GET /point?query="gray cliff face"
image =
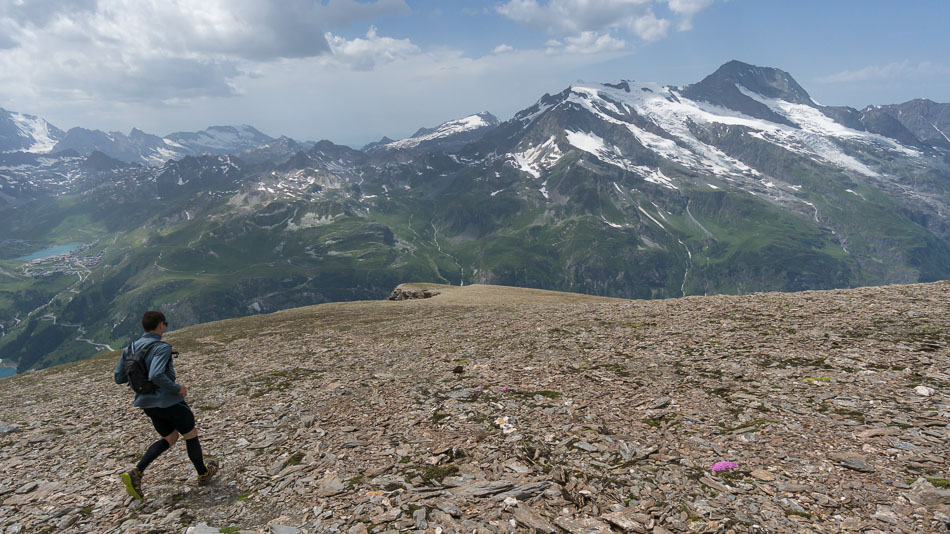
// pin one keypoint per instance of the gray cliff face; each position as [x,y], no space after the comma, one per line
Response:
[927,120]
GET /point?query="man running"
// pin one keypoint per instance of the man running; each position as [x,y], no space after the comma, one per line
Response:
[166,406]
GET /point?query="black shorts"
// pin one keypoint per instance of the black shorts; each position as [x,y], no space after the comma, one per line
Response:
[167,420]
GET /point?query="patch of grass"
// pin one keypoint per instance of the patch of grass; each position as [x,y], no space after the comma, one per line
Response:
[438,473]
[439,416]
[817,379]
[229,530]
[355,481]
[616,369]
[790,513]
[655,422]
[281,380]
[939,482]
[295,458]
[244,497]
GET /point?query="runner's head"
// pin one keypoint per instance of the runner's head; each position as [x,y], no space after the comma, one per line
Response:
[152,320]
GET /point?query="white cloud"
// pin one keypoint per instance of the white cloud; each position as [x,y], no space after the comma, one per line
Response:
[650,28]
[573,18]
[183,64]
[365,54]
[129,50]
[888,72]
[593,43]
[686,9]
[396,98]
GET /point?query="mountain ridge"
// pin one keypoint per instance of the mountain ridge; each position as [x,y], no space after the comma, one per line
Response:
[626,189]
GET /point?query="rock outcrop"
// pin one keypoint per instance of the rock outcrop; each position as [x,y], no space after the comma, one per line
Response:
[406,293]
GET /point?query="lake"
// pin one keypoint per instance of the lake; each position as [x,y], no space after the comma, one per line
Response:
[48,252]
[7,371]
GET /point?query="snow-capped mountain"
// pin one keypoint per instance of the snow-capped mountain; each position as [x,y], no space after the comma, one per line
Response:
[446,137]
[21,132]
[674,124]
[148,149]
[219,139]
[740,182]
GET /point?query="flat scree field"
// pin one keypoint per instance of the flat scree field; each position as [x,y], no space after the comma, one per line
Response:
[495,409]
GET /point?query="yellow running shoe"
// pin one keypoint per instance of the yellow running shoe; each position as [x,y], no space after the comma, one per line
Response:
[133,482]
[211,467]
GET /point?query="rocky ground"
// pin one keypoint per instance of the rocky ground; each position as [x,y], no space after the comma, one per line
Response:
[491,409]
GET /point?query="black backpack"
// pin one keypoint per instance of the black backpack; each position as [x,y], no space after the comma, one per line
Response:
[136,369]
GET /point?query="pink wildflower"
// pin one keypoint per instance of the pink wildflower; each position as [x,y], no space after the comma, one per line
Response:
[723,466]
[479,387]
[504,388]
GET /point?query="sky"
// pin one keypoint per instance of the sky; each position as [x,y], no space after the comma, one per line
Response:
[353,71]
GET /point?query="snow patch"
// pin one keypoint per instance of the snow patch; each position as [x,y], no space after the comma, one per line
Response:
[311,220]
[36,129]
[655,176]
[534,160]
[446,129]
[651,217]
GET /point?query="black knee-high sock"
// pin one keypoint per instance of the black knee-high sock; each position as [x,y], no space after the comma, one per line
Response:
[153,451]
[194,452]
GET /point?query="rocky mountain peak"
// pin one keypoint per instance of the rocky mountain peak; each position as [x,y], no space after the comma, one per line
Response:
[926,119]
[727,87]
[766,81]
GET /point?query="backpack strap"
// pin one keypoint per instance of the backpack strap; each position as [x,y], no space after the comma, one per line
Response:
[147,350]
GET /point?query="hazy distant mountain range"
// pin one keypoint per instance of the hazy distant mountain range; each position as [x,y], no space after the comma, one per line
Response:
[738,183]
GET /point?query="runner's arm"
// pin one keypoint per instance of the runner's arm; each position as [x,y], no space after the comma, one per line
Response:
[156,371]
[120,377]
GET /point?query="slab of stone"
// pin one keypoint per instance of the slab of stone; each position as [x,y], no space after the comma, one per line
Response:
[875,432]
[330,486]
[852,461]
[583,526]
[629,519]
[530,519]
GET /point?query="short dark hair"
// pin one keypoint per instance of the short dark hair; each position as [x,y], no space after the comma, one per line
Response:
[152,319]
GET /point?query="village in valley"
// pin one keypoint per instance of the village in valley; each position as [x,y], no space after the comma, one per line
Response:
[77,261]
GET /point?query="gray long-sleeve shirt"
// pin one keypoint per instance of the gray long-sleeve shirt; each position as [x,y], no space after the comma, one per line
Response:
[160,371]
